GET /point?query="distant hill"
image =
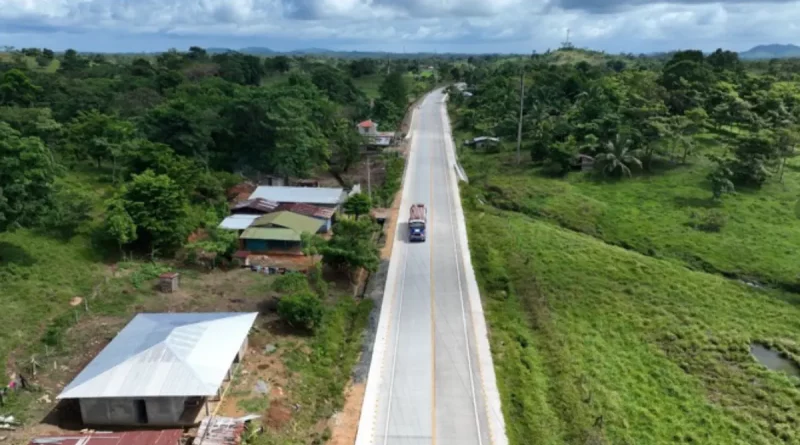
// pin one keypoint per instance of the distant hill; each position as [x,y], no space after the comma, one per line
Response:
[774,51]
[262,51]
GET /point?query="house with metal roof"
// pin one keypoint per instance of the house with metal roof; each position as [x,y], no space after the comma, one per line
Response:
[161,369]
[257,206]
[238,222]
[278,231]
[323,214]
[319,196]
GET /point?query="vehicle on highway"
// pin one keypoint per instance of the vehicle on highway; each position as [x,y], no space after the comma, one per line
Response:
[417,219]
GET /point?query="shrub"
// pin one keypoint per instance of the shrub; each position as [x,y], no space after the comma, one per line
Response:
[712,221]
[291,283]
[302,309]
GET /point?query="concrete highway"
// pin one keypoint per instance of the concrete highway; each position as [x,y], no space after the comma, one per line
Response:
[431,380]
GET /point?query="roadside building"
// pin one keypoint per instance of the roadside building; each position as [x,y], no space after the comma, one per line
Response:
[367,128]
[148,437]
[327,197]
[239,223]
[162,369]
[278,231]
[482,141]
[257,206]
[374,138]
[326,215]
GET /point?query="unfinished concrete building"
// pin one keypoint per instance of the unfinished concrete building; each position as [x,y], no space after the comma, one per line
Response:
[162,369]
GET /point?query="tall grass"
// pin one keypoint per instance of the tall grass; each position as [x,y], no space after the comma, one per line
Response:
[597,344]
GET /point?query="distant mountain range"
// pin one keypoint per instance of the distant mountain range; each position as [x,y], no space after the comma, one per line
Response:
[774,51]
[262,51]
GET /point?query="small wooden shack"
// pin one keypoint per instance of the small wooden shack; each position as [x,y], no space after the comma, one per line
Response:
[168,282]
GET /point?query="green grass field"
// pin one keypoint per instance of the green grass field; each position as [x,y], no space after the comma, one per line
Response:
[606,345]
[653,214]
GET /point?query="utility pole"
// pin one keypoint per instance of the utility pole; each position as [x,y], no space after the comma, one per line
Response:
[369,179]
[521,105]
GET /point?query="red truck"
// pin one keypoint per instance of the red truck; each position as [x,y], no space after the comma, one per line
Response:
[417,219]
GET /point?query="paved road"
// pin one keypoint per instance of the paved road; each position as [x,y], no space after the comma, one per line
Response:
[431,380]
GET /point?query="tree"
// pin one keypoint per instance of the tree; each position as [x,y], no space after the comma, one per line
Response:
[303,309]
[720,178]
[27,172]
[17,89]
[787,140]
[352,246]
[278,64]
[561,156]
[184,126]
[36,122]
[98,136]
[754,153]
[159,209]
[394,90]
[72,62]
[71,207]
[617,157]
[119,225]
[358,204]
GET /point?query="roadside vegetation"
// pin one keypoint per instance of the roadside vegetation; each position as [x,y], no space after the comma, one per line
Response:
[644,242]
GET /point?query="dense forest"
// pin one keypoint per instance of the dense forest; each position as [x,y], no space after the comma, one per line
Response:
[175,131]
[640,252]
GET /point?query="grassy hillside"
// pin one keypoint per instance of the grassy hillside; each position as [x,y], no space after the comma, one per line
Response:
[606,345]
[662,215]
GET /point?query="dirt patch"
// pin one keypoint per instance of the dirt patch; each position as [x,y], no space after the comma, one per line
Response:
[278,415]
[344,425]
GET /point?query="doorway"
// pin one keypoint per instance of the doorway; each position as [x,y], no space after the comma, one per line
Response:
[141,411]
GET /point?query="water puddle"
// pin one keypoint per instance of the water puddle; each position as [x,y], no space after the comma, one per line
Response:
[774,361]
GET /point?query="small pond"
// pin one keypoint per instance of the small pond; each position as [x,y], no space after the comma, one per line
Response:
[773,360]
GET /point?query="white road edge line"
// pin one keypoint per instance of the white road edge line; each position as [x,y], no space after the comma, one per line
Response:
[497,426]
[366,424]
[394,355]
[448,192]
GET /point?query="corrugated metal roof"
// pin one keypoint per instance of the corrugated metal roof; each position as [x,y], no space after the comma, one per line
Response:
[298,223]
[165,355]
[306,195]
[163,437]
[220,431]
[307,210]
[257,204]
[238,222]
[270,234]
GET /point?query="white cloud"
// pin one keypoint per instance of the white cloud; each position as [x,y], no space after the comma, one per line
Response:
[495,25]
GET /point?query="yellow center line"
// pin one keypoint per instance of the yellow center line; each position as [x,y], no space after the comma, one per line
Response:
[428,236]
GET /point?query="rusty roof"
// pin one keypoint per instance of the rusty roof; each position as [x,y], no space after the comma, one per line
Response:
[162,437]
[307,210]
[258,204]
[220,431]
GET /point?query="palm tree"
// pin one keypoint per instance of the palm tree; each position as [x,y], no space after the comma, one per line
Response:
[618,156]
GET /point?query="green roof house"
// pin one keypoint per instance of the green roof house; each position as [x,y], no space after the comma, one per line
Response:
[279,231]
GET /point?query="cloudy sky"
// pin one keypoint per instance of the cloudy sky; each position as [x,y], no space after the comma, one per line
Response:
[396,25]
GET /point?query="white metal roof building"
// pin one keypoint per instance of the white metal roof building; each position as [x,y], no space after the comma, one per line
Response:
[238,222]
[165,355]
[323,196]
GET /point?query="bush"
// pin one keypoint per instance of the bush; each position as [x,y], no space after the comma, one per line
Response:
[291,283]
[70,210]
[302,309]
[712,221]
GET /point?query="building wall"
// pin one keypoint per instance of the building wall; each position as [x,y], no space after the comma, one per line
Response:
[258,245]
[325,227]
[123,411]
